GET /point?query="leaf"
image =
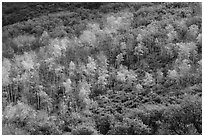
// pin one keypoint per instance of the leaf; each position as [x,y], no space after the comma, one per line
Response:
[121,74]
[193,30]
[24,40]
[91,66]
[173,74]
[148,80]
[84,89]
[184,67]
[67,85]
[29,60]
[72,66]
[88,37]
[6,67]
[119,58]
[186,48]
[139,49]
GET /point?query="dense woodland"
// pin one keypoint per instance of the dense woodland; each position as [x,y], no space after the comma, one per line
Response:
[102,68]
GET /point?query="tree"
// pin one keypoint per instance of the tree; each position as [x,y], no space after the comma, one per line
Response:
[6,67]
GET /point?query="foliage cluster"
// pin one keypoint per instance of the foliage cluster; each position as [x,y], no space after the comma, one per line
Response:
[135,70]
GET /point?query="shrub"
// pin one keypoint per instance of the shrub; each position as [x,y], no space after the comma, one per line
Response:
[24,42]
[6,67]
[103,124]
[178,117]
[19,114]
[129,127]
[84,130]
[10,129]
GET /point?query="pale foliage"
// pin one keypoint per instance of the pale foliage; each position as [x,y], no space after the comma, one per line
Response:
[121,74]
[186,48]
[160,75]
[151,29]
[6,67]
[85,91]
[95,28]
[148,80]
[139,49]
[172,35]
[82,68]
[139,87]
[123,47]
[140,37]
[72,66]
[199,38]
[193,30]
[102,70]
[88,37]
[45,101]
[103,61]
[119,58]
[65,43]
[91,66]
[200,66]
[59,69]
[44,39]
[117,22]
[27,60]
[131,78]
[180,23]
[55,48]
[68,86]
[168,49]
[173,74]
[169,28]
[63,107]
[24,40]
[19,112]
[103,79]
[103,76]
[126,76]
[184,67]
[200,62]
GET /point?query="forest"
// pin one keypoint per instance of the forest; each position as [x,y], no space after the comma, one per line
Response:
[117,68]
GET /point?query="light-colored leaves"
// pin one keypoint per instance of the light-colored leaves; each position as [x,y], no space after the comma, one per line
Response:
[119,58]
[121,74]
[184,67]
[173,74]
[20,112]
[148,80]
[88,37]
[27,60]
[85,91]
[67,85]
[199,38]
[186,48]
[139,49]
[24,41]
[72,66]
[116,22]
[6,66]
[193,30]
[91,66]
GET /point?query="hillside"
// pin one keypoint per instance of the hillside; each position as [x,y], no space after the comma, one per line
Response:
[101,68]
